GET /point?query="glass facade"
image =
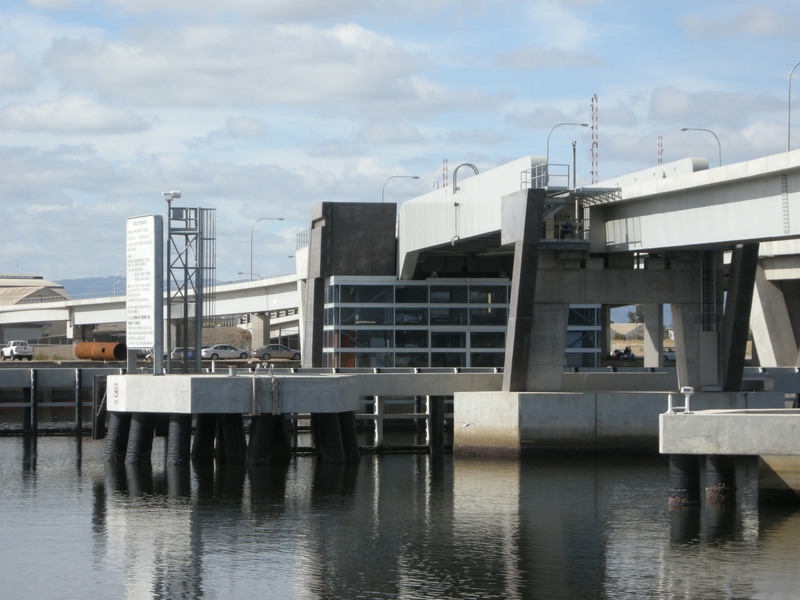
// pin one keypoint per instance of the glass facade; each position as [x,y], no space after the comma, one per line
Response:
[445,323]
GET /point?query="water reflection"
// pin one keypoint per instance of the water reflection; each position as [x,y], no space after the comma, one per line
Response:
[405,526]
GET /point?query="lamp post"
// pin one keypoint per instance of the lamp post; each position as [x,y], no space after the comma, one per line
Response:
[251,239]
[547,158]
[789,112]
[394,177]
[251,275]
[712,133]
[115,280]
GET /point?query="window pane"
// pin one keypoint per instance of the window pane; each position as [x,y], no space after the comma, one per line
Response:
[448,316]
[488,339]
[329,318]
[366,338]
[488,316]
[447,339]
[449,294]
[581,339]
[411,339]
[380,359]
[411,316]
[582,317]
[365,316]
[448,359]
[415,359]
[366,294]
[487,359]
[488,294]
[331,294]
[411,294]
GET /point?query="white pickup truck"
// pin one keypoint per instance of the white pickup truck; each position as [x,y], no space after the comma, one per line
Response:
[17,350]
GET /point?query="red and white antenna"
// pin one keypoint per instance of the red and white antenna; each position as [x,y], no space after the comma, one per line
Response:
[661,149]
[595,142]
[444,172]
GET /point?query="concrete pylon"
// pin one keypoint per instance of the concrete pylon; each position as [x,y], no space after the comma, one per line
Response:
[653,335]
[260,329]
[736,322]
[771,325]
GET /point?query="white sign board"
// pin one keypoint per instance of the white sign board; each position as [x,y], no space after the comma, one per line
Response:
[144,296]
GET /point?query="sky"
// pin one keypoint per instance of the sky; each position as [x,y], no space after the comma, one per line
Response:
[265,108]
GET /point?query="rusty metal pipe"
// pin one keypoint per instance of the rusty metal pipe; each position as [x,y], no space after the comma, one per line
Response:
[101,350]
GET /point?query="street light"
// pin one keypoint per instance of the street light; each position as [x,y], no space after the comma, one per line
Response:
[251,239]
[115,281]
[547,158]
[393,177]
[789,118]
[712,133]
[251,275]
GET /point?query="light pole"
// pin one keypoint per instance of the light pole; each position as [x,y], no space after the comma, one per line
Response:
[547,158]
[251,239]
[393,177]
[789,117]
[115,281]
[712,133]
[251,275]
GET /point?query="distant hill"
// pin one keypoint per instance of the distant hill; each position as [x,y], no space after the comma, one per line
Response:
[77,288]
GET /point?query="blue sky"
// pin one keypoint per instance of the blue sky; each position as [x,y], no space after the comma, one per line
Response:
[265,108]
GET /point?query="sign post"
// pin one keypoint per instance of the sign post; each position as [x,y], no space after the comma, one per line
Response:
[144,306]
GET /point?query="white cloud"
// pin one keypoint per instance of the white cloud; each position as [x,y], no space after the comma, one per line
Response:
[15,76]
[477,136]
[759,21]
[391,132]
[542,118]
[688,109]
[70,114]
[343,68]
[245,127]
[532,58]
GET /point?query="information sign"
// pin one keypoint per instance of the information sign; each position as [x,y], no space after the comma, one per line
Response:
[144,296]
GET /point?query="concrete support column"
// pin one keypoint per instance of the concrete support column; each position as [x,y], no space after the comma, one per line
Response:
[313,316]
[204,432]
[720,477]
[686,322]
[771,325]
[328,437]
[140,438]
[653,335]
[179,439]
[269,440]
[260,329]
[684,480]
[736,322]
[347,425]
[522,214]
[119,425]
[231,441]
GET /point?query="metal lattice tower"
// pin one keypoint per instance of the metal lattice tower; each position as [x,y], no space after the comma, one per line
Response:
[191,271]
[661,149]
[595,142]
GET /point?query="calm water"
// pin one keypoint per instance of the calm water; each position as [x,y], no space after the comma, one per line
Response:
[399,526]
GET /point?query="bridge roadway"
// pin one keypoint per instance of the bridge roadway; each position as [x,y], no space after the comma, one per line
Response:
[274,295]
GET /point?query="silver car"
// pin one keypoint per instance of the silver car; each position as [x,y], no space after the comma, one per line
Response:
[276,351]
[223,351]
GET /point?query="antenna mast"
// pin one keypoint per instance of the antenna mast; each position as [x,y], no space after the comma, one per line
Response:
[595,142]
[660,149]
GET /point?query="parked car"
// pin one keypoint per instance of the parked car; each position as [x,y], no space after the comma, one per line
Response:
[276,351]
[223,351]
[17,350]
[669,354]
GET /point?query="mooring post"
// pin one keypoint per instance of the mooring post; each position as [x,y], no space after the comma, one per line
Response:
[720,477]
[684,480]
[78,403]
[34,402]
[29,412]
[378,421]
